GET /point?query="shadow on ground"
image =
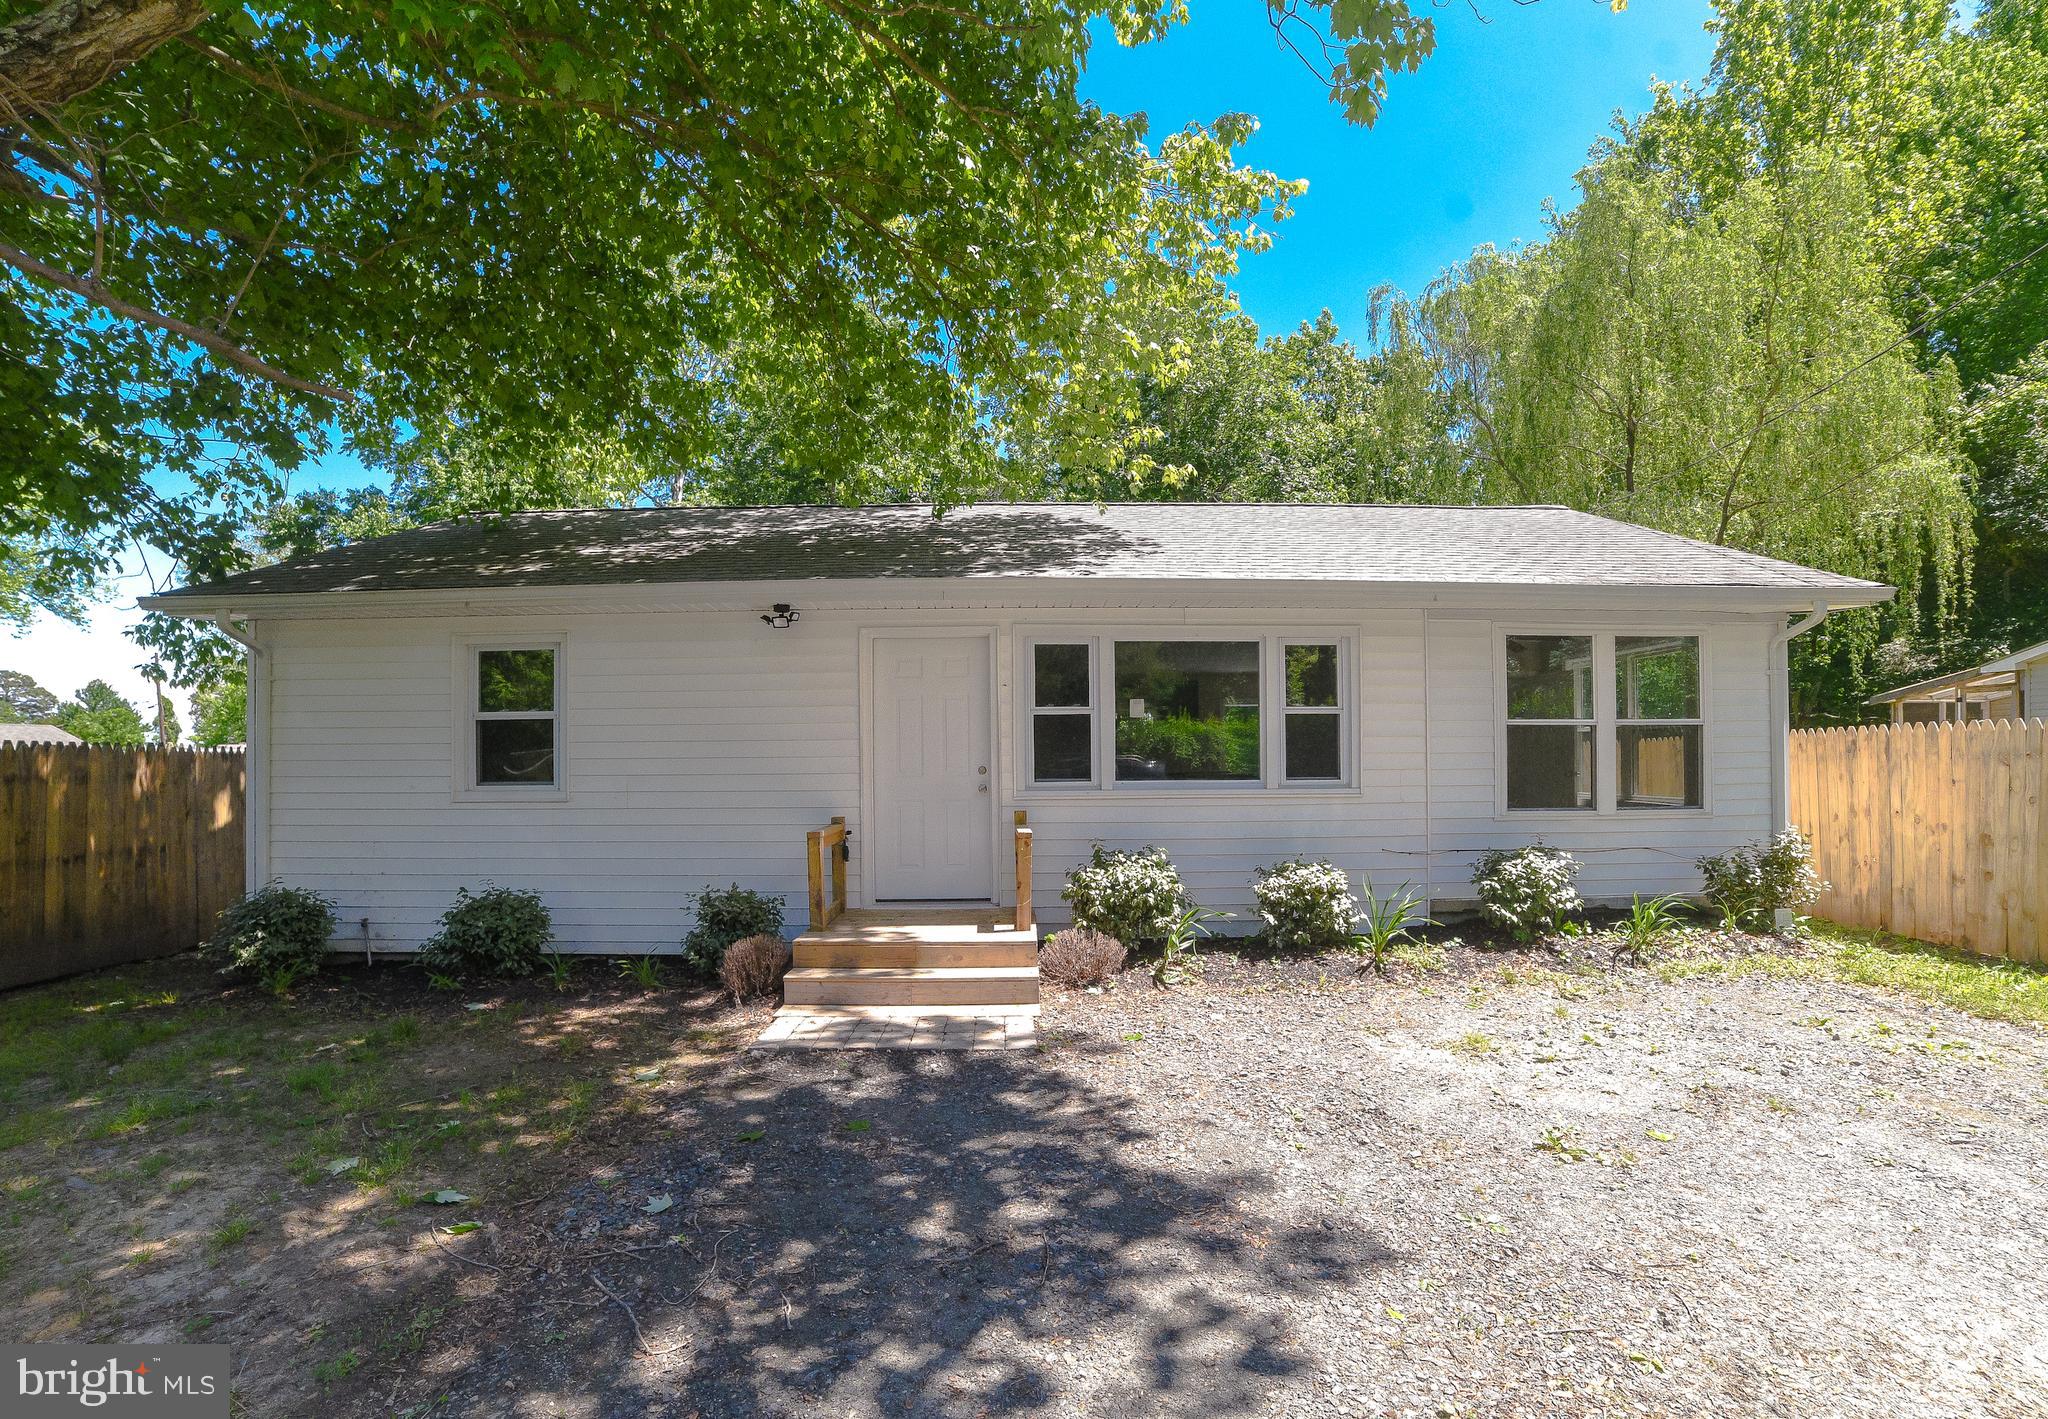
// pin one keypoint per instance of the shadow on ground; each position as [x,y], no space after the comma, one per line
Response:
[893,1233]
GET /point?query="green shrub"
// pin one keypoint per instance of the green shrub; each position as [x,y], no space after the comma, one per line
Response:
[497,932]
[1529,890]
[1306,906]
[1133,896]
[726,915]
[1752,884]
[277,934]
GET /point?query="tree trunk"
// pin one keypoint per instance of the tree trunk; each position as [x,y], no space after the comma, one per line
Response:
[71,47]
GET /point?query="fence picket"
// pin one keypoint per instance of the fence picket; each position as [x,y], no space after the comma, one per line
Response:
[1934,831]
[110,854]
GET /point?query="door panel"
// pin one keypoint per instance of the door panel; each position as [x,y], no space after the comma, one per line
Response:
[933,769]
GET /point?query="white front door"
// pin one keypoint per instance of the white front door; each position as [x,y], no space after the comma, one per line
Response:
[933,782]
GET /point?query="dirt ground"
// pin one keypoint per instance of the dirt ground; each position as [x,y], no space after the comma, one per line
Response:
[1482,1186]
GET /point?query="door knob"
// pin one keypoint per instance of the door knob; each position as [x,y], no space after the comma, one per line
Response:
[981,788]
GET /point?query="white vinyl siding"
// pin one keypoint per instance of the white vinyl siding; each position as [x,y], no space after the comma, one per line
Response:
[704,744]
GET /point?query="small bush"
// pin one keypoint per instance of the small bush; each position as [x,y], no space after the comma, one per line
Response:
[1386,923]
[499,931]
[1752,884]
[277,934]
[1078,957]
[726,915]
[1307,906]
[1529,890]
[753,966]
[1647,929]
[1133,896]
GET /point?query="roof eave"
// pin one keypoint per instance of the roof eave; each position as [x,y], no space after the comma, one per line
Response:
[200,604]
[2024,656]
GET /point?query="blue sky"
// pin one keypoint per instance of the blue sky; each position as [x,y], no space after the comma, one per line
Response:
[1496,121]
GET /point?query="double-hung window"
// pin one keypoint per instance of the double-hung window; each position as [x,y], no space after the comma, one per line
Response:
[1551,722]
[1582,708]
[514,717]
[1063,712]
[1226,710]
[1657,721]
[1313,738]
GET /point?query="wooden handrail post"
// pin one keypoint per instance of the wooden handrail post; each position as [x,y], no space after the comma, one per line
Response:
[827,908]
[838,846]
[1026,917]
[814,843]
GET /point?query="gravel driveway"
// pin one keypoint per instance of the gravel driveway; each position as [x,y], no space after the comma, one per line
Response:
[1288,1191]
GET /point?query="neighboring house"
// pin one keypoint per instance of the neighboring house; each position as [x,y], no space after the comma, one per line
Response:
[618,707]
[36,734]
[2011,687]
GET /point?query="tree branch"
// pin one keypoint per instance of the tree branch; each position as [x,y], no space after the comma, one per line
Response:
[70,47]
[249,74]
[226,349]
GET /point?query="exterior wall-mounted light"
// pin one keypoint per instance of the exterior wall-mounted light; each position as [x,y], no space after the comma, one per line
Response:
[782,616]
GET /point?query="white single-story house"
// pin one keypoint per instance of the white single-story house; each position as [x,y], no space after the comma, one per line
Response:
[2011,687]
[618,707]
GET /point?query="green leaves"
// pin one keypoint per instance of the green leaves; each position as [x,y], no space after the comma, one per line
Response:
[853,245]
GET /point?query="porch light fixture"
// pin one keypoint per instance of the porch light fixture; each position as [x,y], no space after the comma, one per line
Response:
[782,616]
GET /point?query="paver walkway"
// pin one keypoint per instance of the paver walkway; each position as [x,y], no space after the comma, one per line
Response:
[903,1028]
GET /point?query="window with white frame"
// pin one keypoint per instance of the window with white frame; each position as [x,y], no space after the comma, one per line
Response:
[1063,712]
[1313,712]
[1187,711]
[1559,723]
[1657,725]
[1551,722]
[515,716]
[1226,710]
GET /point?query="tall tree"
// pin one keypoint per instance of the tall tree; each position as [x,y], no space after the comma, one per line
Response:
[22,700]
[1948,123]
[228,234]
[220,711]
[1734,373]
[99,715]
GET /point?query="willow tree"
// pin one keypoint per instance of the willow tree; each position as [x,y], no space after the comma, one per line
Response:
[1734,374]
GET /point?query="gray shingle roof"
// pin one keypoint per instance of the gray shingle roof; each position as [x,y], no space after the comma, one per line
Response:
[1504,546]
[36,734]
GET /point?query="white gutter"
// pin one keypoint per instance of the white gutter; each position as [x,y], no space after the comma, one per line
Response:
[223,621]
[1780,675]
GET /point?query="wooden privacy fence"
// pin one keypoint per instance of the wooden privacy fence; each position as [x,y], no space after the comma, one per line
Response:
[1935,831]
[112,854]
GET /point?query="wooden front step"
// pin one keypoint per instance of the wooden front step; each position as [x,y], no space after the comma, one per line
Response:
[928,955]
[911,985]
[878,958]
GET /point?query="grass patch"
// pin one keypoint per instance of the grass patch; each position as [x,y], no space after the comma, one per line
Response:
[1985,986]
[1424,956]
[1473,1044]
[231,1233]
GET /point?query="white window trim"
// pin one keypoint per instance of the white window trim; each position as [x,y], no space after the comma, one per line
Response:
[467,652]
[1102,642]
[1346,695]
[1698,721]
[1605,722]
[1032,710]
